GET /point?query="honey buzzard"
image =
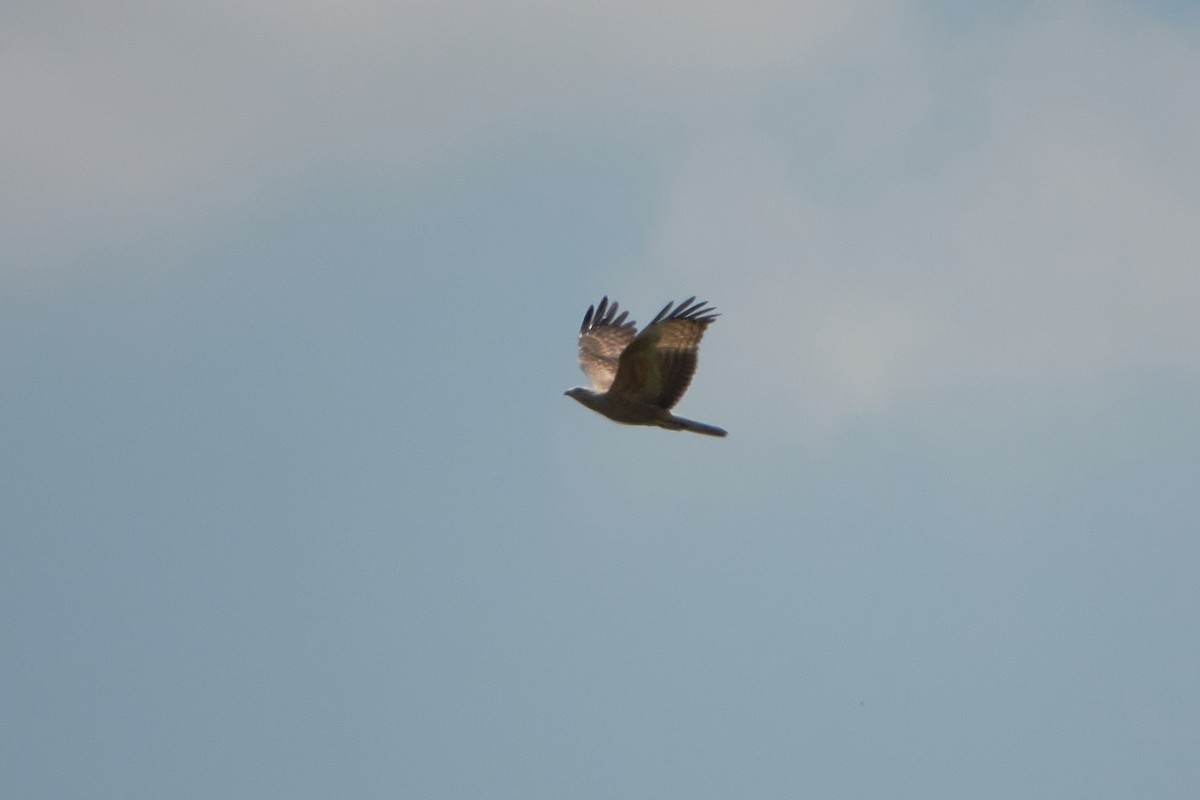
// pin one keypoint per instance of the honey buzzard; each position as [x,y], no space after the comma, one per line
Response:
[637,377]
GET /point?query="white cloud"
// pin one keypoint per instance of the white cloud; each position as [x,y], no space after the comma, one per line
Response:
[1061,245]
[1053,242]
[124,117]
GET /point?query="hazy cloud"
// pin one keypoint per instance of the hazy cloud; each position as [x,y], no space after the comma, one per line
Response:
[895,212]
[1053,247]
[134,115]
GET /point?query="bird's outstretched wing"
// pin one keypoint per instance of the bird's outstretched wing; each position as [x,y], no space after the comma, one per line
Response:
[658,365]
[602,338]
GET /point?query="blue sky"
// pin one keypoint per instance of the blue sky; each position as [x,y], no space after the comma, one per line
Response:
[293,503]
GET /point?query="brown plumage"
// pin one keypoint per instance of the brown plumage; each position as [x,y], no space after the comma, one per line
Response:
[637,378]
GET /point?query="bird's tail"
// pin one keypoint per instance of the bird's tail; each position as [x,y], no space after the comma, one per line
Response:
[698,427]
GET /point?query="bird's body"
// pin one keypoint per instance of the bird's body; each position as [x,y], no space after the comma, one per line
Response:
[637,378]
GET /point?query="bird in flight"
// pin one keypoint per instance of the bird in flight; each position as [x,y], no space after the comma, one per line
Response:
[638,377]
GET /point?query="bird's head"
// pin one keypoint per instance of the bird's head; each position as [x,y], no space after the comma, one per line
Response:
[581,394]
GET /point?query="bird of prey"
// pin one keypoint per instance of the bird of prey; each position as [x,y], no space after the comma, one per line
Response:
[637,377]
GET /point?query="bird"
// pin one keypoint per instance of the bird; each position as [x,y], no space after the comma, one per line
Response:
[638,377]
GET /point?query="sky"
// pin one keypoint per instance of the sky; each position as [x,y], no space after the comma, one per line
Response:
[293,505]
